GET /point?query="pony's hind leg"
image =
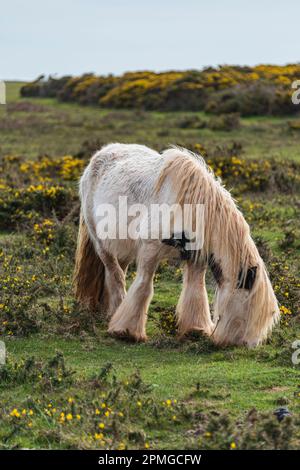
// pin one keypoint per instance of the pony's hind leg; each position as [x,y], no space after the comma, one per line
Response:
[131,316]
[193,308]
[114,288]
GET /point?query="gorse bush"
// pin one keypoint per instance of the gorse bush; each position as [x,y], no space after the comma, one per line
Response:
[29,189]
[252,99]
[261,431]
[264,89]
[50,89]
[23,204]
[46,376]
[225,122]
[191,122]
[253,175]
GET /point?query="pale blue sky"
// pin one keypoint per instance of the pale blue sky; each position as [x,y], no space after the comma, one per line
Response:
[112,36]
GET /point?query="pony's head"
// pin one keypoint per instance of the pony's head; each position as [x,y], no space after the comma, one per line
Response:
[245,307]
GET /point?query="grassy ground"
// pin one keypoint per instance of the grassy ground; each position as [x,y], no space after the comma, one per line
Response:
[194,385]
[52,129]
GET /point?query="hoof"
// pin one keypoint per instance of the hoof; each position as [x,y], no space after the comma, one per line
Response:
[193,333]
[126,335]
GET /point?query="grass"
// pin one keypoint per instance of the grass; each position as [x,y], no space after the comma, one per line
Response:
[214,381]
[61,128]
[206,381]
[236,384]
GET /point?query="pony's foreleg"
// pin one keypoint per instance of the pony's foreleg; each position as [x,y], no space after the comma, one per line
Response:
[131,316]
[114,288]
[193,308]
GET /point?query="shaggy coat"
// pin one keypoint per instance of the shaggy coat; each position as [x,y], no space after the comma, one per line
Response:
[245,307]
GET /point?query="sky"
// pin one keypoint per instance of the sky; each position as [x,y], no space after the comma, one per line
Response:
[71,37]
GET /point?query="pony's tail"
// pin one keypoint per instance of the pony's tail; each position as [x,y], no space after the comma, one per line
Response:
[89,270]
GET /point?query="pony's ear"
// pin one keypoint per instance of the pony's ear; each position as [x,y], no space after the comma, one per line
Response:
[247,281]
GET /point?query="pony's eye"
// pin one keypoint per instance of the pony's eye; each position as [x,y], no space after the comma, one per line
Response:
[246,282]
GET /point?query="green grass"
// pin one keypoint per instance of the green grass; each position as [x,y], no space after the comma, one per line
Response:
[235,384]
[13,91]
[231,381]
[61,128]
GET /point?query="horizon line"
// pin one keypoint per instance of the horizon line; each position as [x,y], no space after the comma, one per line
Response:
[199,69]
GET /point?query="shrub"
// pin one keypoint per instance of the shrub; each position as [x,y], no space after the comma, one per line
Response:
[44,88]
[225,122]
[246,175]
[19,205]
[191,122]
[48,375]
[257,431]
[254,99]
[294,125]
[286,287]
[264,89]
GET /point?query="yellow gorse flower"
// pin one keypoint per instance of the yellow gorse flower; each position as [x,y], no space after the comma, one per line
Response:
[15,413]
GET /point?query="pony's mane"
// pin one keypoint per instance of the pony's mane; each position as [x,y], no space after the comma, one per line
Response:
[226,237]
[195,183]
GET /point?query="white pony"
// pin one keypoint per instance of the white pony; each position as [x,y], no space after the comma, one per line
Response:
[245,307]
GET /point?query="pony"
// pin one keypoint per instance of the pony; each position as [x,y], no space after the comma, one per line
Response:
[245,307]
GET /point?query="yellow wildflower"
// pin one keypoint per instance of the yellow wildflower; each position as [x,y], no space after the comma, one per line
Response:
[15,413]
